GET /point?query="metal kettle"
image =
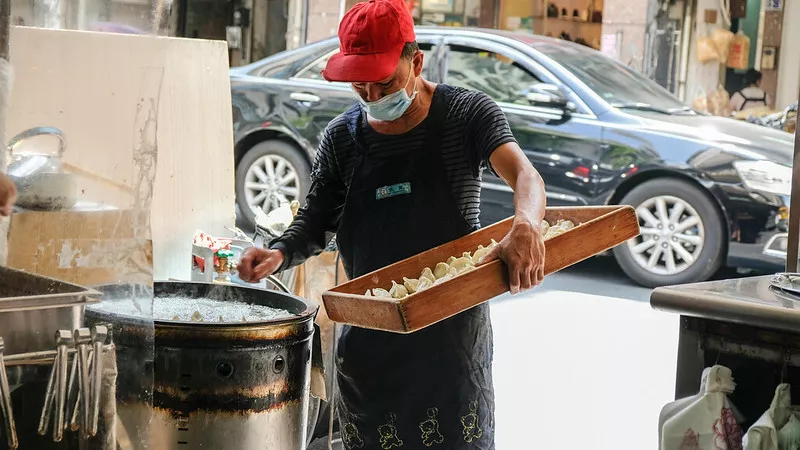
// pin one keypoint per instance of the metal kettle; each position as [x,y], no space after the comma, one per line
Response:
[39,177]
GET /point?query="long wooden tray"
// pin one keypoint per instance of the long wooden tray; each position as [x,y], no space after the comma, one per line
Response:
[598,228]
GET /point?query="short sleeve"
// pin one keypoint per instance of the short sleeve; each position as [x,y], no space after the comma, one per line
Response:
[486,129]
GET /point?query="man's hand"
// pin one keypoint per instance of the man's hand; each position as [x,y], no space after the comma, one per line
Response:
[258,263]
[8,195]
[523,252]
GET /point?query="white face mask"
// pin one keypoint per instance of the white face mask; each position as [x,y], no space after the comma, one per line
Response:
[392,106]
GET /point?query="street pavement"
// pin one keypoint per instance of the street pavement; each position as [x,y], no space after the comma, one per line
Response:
[581,362]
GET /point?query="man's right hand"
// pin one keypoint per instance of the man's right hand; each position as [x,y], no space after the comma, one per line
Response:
[258,263]
[8,195]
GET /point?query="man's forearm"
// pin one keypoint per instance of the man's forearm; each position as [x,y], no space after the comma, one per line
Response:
[529,196]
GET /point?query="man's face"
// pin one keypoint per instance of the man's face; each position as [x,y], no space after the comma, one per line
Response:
[404,77]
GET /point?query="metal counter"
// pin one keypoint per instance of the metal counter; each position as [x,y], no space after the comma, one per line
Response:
[750,301]
[743,324]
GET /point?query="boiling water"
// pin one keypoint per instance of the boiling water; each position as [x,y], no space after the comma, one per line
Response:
[188,309]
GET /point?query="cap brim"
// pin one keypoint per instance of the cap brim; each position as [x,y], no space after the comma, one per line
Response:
[370,68]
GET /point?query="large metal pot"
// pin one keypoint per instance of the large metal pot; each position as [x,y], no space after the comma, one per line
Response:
[215,385]
[33,308]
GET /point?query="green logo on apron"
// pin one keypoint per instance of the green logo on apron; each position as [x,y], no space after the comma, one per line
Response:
[393,190]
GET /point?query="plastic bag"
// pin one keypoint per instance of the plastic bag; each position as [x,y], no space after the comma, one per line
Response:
[708,421]
[719,102]
[722,41]
[706,49]
[763,435]
[700,103]
[739,55]
[670,409]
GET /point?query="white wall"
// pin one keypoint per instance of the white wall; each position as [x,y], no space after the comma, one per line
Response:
[789,57]
[701,77]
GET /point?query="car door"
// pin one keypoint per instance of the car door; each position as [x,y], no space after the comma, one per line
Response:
[313,101]
[563,148]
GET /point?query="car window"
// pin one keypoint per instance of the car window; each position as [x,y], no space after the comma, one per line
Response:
[615,82]
[314,71]
[498,76]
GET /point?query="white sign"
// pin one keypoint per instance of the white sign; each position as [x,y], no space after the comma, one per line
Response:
[234,37]
[608,45]
[513,22]
[774,5]
[442,6]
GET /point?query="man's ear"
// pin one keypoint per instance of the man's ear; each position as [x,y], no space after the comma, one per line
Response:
[419,60]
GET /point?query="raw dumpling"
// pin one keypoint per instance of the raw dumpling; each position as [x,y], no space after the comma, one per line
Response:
[368,293]
[411,284]
[398,290]
[452,272]
[442,280]
[176,317]
[197,317]
[565,224]
[379,292]
[440,270]
[427,273]
[545,227]
[492,245]
[480,253]
[469,257]
[424,283]
[459,264]
[450,260]
[553,232]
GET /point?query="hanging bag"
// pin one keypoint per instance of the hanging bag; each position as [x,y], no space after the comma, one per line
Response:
[709,422]
[763,435]
[739,55]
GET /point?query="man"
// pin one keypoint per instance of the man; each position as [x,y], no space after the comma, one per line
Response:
[398,174]
[752,96]
[8,195]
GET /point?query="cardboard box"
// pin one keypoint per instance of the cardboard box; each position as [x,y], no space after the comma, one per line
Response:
[82,247]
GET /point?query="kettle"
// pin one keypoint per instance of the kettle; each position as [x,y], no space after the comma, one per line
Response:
[39,177]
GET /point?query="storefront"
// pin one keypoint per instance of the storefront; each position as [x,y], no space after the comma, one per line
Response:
[738,354]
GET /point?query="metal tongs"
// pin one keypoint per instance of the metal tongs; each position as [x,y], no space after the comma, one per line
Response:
[83,387]
[5,404]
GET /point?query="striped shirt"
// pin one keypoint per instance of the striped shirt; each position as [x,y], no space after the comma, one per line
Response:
[474,128]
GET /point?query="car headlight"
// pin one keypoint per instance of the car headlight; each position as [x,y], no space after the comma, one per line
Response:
[766,176]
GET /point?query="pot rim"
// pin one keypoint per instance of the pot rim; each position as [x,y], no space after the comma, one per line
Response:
[309,310]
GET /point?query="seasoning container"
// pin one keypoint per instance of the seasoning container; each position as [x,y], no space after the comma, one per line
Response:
[224,264]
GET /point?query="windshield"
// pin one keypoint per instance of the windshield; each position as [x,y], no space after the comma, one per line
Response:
[616,83]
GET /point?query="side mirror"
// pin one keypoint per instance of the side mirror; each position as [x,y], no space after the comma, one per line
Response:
[547,96]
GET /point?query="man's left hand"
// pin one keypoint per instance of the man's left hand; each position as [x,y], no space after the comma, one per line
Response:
[8,195]
[523,252]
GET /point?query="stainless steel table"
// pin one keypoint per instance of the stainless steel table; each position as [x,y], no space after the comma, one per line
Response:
[743,324]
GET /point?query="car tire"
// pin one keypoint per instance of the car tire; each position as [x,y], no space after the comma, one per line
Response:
[281,151]
[670,197]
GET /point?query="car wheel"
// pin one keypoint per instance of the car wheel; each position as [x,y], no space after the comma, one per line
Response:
[681,238]
[270,173]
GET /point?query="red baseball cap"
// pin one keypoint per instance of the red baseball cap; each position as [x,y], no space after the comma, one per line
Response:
[371,39]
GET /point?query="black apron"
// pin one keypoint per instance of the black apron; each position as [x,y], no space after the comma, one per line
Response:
[762,100]
[431,388]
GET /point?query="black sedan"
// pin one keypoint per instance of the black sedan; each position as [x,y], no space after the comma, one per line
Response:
[709,191]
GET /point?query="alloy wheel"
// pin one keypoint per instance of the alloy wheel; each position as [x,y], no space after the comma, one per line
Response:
[271,181]
[672,235]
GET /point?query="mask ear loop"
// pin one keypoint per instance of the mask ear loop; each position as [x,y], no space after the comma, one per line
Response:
[413,94]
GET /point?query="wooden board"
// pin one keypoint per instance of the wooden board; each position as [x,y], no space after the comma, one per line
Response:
[102,90]
[598,229]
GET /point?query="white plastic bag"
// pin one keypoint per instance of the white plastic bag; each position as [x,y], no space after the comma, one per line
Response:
[709,422]
[670,409]
[763,435]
